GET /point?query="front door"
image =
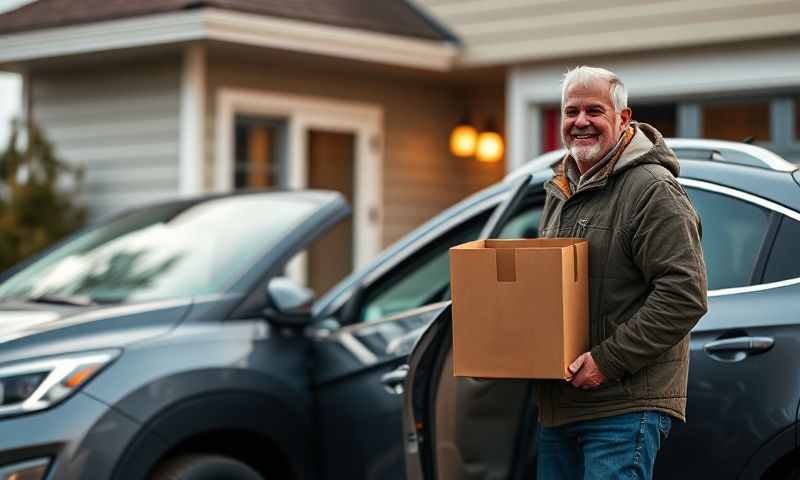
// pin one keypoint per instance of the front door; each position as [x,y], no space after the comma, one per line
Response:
[331,158]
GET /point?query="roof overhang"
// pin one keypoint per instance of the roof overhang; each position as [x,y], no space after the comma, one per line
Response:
[221,25]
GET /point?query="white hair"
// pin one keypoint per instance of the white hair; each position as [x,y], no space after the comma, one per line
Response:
[585,76]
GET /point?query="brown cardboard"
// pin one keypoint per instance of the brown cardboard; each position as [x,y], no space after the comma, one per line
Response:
[520,307]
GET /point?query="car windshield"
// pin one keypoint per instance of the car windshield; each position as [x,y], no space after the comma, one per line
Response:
[165,251]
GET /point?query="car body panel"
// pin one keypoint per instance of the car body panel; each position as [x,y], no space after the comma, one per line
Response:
[770,454]
[94,328]
[735,405]
[60,434]
[348,384]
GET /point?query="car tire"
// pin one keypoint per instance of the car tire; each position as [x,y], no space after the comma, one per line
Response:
[205,467]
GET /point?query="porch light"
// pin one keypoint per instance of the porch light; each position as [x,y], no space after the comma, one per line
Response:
[490,145]
[463,139]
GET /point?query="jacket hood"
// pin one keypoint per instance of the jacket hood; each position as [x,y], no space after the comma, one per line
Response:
[647,147]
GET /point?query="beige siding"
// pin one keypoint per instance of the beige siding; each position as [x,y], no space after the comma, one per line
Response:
[420,176]
[121,122]
[507,31]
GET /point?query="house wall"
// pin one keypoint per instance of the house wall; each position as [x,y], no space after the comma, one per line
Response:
[691,78]
[119,120]
[509,31]
[420,176]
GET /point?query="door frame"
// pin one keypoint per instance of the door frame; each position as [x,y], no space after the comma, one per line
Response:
[302,114]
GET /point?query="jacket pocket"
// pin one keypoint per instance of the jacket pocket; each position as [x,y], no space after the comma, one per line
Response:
[612,391]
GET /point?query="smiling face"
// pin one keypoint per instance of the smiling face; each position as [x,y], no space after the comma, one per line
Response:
[589,125]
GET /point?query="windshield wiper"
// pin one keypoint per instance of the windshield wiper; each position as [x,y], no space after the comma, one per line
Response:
[62,300]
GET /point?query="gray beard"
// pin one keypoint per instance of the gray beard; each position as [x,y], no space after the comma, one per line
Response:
[586,155]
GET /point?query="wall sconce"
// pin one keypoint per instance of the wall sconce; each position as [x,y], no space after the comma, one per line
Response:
[463,139]
[490,144]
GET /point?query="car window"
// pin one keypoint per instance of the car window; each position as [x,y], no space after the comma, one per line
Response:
[784,259]
[524,224]
[421,279]
[733,234]
[165,251]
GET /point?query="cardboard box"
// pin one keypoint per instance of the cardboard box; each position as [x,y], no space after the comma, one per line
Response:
[520,307]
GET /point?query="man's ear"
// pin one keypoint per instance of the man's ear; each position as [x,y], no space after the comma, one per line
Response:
[625,116]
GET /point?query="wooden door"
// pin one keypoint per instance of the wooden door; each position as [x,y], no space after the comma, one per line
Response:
[331,158]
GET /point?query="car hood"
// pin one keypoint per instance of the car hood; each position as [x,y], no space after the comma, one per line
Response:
[31,330]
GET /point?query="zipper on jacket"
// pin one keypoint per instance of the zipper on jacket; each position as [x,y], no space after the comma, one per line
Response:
[603,327]
[583,223]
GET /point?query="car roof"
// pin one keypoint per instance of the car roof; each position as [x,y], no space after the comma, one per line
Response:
[720,151]
[745,167]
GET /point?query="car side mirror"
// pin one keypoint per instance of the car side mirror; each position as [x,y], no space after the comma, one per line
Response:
[289,304]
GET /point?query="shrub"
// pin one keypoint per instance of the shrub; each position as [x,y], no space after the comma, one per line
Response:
[38,196]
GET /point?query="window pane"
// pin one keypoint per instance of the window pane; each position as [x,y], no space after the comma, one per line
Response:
[165,251]
[784,260]
[524,224]
[419,282]
[733,233]
[737,121]
[258,151]
[662,117]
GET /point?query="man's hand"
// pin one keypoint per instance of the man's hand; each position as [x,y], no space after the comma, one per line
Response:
[585,374]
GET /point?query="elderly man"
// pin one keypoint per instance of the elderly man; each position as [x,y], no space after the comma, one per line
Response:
[617,188]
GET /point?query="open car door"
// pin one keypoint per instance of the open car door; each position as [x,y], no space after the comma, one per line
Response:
[463,428]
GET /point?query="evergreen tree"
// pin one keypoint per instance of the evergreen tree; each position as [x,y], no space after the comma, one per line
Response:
[38,196]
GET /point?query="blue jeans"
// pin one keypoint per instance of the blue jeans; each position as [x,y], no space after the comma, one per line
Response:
[620,447]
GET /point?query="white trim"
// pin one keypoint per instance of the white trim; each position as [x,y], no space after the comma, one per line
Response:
[192,126]
[302,113]
[753,288]
[215,24]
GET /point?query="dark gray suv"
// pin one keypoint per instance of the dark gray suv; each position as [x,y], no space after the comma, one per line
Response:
[167,344]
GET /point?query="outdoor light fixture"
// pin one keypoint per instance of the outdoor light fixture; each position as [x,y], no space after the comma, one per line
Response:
[490,145]
[463,139]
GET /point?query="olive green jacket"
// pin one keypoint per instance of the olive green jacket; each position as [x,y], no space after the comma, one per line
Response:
[647,280]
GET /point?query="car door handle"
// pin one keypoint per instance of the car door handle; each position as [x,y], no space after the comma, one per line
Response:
[738,348]
[393,381]
[740,344]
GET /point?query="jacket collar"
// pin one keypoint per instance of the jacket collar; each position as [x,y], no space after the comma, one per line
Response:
[567,175]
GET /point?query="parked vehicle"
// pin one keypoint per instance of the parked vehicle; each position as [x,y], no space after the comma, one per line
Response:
[742,408]
[167,344]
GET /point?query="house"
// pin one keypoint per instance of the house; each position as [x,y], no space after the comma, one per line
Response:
[726,69]
[160,98]
[177,97]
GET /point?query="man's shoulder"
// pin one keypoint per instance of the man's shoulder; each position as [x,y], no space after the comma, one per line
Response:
[644,176]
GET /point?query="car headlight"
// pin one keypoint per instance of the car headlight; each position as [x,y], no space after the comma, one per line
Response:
[38,384]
